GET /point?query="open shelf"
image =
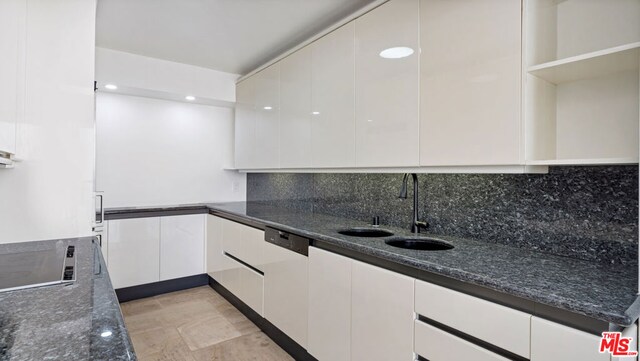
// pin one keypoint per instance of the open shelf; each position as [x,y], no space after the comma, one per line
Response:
[591,65]
[581,91]
[601,161]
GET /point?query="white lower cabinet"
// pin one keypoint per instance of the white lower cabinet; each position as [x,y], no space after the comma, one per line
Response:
[499,325]
[358,311]
[355,311]
[329,336]
[286,291]
[251,288]
[134,251]
[102,234]
[227,239]
[147,250]
[554,342]
[381,314]
[434,344]
[243,242]
[181,246]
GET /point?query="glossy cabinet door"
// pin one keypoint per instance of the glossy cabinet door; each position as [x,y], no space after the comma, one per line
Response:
[213,244]
[245,119]
[329,336]
[219,267]
[232,238]
[554,342]
[286,291]
[382,316]
[470,82]
[333,98]
[103,239]
[266,142]
[181,246]
[388,85]
[244,282]
[434,344]
[502,326]
[251,288]
[295,110]
[134,251]
[243,242]
[12,43]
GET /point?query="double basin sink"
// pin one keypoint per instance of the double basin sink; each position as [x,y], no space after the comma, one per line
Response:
[414,243]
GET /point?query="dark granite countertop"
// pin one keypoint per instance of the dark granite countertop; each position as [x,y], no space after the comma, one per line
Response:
[78,321]
[607,293]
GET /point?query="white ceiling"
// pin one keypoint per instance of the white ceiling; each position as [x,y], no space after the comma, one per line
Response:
[234,36]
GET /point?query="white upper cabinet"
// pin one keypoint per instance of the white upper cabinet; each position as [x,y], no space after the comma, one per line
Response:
[267,107]
[441,83]
[470,82]
[333,92]
[12,43]
[257,120]
[245,124]
[387,85]
[295,110]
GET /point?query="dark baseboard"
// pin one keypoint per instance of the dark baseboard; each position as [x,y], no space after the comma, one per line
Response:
[289,345]
[158,288]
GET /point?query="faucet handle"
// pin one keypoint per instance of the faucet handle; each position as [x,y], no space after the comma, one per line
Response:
[421,224]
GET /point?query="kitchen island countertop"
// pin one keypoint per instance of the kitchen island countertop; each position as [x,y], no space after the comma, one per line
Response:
[77,321]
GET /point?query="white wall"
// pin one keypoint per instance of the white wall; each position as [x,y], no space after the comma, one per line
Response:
[157,152]
[135,72]
[49,194]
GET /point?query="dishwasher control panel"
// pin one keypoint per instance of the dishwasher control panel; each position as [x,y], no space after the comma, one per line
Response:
[287,240]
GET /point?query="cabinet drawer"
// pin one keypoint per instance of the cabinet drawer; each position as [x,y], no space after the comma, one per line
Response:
[554,342]
[243,282]
[243,242]
[498,325]
[436,345]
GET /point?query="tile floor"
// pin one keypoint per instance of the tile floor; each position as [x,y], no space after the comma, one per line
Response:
[195,325]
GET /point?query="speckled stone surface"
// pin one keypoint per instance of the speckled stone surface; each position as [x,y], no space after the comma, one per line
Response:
[64,322]
[603,292]
[588,213]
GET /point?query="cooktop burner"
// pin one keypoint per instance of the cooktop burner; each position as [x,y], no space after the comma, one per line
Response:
[37,268]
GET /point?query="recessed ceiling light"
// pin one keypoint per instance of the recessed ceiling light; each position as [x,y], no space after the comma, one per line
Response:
[190,98]
[267,108]
[111,86]
[396,53]
[106,334]
[315,113]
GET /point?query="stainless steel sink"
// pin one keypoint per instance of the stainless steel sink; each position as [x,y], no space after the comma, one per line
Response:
[421,244]
[365,232]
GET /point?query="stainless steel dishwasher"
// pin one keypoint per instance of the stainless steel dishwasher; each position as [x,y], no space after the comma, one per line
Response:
[286,283]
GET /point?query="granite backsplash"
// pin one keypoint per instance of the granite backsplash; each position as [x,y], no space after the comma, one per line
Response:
[588,213]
